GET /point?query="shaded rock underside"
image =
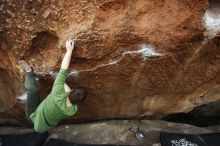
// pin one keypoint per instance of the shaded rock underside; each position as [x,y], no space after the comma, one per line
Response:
[115,132]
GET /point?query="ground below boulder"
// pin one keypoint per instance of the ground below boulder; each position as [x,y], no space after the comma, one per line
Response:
[116,132]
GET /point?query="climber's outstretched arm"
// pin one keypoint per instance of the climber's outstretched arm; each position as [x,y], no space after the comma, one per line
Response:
[67,56]
[62,75]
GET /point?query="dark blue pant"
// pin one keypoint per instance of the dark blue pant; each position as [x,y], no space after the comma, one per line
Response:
[33,99]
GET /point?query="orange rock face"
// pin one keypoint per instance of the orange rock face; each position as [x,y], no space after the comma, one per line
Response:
[136,59]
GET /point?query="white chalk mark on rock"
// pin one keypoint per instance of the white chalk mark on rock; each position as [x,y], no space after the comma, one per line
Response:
[212,23]
[113,62]
[23,96]
[148,51]
[73,73]
[145,51]
[53,74]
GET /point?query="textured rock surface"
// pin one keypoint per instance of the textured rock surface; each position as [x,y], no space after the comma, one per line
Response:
[115,132]
[124,77]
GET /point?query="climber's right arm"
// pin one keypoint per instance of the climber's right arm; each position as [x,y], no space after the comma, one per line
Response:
[67,57]
[62,75]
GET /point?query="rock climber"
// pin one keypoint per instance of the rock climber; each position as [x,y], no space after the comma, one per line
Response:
[59,104]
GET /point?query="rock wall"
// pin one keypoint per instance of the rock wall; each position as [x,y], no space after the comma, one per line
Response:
[136,59]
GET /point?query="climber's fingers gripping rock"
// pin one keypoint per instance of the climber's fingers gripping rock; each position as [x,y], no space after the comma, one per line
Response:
[70,45]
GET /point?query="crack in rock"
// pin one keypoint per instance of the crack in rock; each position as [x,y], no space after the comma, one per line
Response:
[202,97]
[145,51]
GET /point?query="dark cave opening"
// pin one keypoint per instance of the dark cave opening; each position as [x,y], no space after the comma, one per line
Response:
[202,116]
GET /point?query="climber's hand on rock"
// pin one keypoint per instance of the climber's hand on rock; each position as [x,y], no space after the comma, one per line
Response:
[67,57]
[69,45]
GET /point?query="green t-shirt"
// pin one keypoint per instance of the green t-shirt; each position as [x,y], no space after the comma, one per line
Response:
[53,108]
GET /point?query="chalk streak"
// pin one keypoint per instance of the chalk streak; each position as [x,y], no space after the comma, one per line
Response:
[212,23]
[23,96]
[146,51]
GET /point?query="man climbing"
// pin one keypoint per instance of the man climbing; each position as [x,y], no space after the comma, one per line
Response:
[59,104]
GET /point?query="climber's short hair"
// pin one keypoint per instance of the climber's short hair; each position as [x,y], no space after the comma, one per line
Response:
[77,95]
